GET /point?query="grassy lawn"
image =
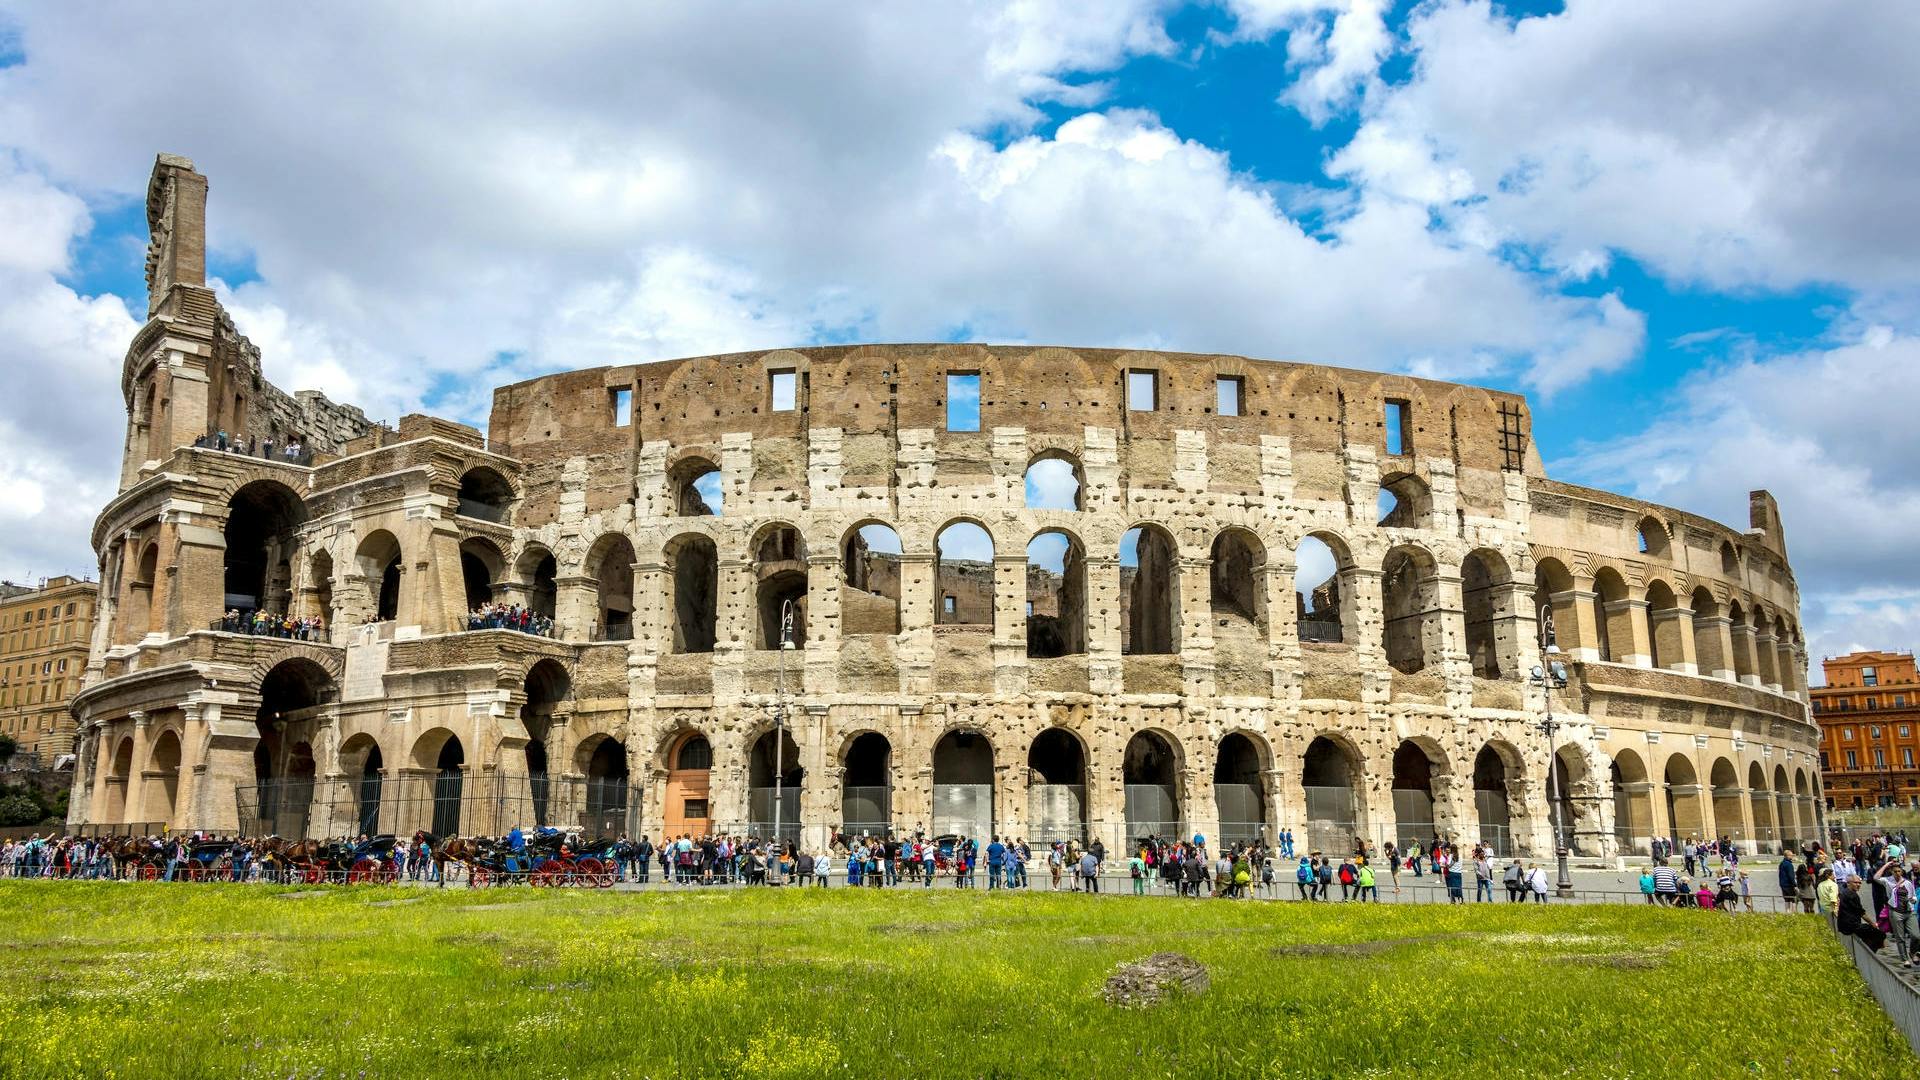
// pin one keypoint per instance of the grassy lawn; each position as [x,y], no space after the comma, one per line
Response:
[145,981]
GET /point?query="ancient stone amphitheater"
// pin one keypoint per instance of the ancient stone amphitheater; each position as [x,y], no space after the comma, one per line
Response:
[1040,592]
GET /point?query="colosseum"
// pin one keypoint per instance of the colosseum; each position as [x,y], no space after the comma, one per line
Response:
[952,589]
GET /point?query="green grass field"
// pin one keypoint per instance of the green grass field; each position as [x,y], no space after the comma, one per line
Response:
[147,981]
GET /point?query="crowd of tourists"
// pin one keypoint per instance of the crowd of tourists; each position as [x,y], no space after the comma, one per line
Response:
[261,623]
[291,450]
[509,617]
[1869,887]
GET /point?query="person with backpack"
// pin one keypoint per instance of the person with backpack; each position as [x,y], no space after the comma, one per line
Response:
[1304,876]
[1364,884]
[1347,879]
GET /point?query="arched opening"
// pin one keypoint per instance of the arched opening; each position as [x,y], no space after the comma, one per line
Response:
[1632,802]
[1741,634]
[610,563]
[1783,816]
[1321,565]
[1803,816]
[1568,775]
[1553,591]
[484,495]
[694,563]
[1709,634]
[1149,592]
[1240,789]
[1053,482]
[1410,597]
[766,762]
[1413,804]
[449,771]
[963,785]
[780,592]
[379,560]
[362,764]
[1492,807]
[1487,595]
[1729,561]
[481,564]
[119,777]
[1404,502]
[697,488]
[688,810]
[1234,580]
[1056,596]
[1612,615]
[866,793]
[320,586]
[262,518]
[963,576]
[144,616]
[606,802]
[870,592]
[545,688]
[1729,813]
[1151,774]
[162,776]
[1664,638]
[291,695]
[1765,662]
[1057,787]
[1684,810]
[1760,806]
[537,571]
[1650,536]
[1329,773]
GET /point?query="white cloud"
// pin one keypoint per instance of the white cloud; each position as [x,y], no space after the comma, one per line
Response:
[1335,46]
[1730,142]
[1830,433]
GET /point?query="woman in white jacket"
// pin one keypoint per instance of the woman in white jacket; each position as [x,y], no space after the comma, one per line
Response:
[1537,882]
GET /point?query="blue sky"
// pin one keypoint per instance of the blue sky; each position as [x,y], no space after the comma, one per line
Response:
[1684,231]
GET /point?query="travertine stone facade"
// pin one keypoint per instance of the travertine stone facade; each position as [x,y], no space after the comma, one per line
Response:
[1165,679]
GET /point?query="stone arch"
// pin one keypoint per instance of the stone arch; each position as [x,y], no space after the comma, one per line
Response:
[1333,780]
[363,764]
[698,487]
[546,688]
[449,780]
[119,781]
[1665,638]
[1236,578]
[1612,615]
[684,762]
[1150,772]
[866,783]
[870,578]
[263,517]
[485,495]
[482,566]
[1803,816]
[537,573]
[1653,539]
[1760,807]
[1056,594]
[601,759]
[161,779]
[427,747]
[1729,561]
[610,562]
[1242,800]
[1766,669]
[1499,781]
[143,615]
[1632,801]
[963,574]
[693,571]
[1323,584]
[780,585]
[1057,786]
[1054,480]
[1686,810]
[1404,502]
[1149,591]
[1729,813]
[1554,594]
[1573,812]
[320,586]
[1487,600]
[379,560]
[776,773]
[1418,806]
[963,783]
[1412,631]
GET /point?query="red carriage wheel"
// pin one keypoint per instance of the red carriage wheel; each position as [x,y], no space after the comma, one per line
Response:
[549,873]
[364,869]
[479,877]
[312,874]
[149,872]
[594,873]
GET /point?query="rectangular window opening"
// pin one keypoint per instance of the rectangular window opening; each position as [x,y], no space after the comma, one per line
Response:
[963,401]
[1853,760]
[1143,391]
[621,398]
[947,604]
[1870,675]
[786,391]
[696,809]
[1399,427]
[1227,393]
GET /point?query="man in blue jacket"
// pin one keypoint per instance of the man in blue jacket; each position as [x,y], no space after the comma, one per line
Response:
[996,854]
[1787,875]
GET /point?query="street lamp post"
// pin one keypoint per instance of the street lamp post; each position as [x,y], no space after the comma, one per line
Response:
[779,731]
[1551,676]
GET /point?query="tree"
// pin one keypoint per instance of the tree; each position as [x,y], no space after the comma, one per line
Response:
[17,809]
[8,746]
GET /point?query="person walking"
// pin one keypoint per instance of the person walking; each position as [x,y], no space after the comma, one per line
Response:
[1090,870]
[1482,879]
[1537,883]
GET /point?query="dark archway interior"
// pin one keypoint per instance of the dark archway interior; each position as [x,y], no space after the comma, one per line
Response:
[1149,761]
[485,494]
[1056,596]
[1057,758]
[1152,595]
[760,764]
[776,592]
[261,519]
[867,761]
[696,582]
[479,584]
[1489,771]
[963,757]
[1326,765]
[542,588]
[1235,586]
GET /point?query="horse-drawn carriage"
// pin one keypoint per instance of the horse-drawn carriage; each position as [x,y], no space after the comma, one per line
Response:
[550,858]
[210,860]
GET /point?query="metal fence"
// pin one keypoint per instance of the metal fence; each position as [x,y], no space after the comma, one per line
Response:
[1152,810]
[866,809]
[1242,813]
[1056,812]
[962,809]
[448,803]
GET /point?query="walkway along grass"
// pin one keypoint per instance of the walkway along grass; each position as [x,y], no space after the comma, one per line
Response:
[108,979]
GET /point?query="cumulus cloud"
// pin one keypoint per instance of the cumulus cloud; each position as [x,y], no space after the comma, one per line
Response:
[1335,47]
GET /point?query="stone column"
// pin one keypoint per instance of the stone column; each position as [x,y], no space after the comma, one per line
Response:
[1742,650]
[1713,643]
[1516,628]
[228,764]
[1283,630]
[1010,626]
[1103,624]
[192,772]
[1630,615]
[103,768]
[1444,640]
[1766,659]
[915,651]
[137,771]
[1574,629]
[734,633]
[652,609]
[575,613]
[822,651]
[1672,632]
[1194,628]
[1363,620]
